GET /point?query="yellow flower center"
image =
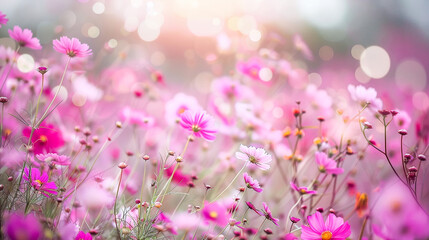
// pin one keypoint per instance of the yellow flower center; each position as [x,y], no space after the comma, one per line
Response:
[303,191]
[326,235]
[253,160]
[39,183]
[195,128]
[213,214]
[43,138]
[181,110]
[322,169]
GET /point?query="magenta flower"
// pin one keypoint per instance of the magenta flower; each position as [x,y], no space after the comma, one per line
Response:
[302,190]
[3,19]
[24,38]
[327,164]
[257,156]
[216,213]
[252,183]
[333,229]
[71,47]
[268,215]
[45,139]
[83,236]
[22,227]
[199,123]
[251,206]
[40,182]
[54,158]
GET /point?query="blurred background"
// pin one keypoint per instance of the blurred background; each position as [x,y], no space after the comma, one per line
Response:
[191,41]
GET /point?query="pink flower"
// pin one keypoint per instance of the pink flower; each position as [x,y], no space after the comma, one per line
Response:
[19,226]
[251,206]
[364,96]
[252,68]
[252,183]
[54,158]
[199,123]
[71,47]
[302,190]
[178,105]
[45,139]
[136,117]
[40,182]
[402,120]
[302,46]
[24,38]
[216,213]
[333,229]
[268,215]
[83,236]
[3,19]
[327,164]
[257,156]
[230,89]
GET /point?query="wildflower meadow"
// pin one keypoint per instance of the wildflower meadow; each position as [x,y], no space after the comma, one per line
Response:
[189,119]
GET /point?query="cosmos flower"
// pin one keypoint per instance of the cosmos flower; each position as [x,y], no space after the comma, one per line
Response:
[364,96]
[135,117]
[257,156]
[22,227]
[302,190]
[268,215]
[199,123]
[327,164]
[54,158]
[216,213]
[24,38]
[402,120]
[83,236]
[40,182]
[45,139]
[251,206]
[302,46]
[71,47]
[252,183]
[178,105]
[333,228]
[3,19]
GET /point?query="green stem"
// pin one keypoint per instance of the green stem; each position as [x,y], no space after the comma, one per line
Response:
[114,209]
[232,181]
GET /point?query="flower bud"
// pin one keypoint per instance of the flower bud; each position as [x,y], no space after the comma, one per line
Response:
[403,132]
[122,165]
[421,157]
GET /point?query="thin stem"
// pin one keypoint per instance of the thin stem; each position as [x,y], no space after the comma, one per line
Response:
[232,181]
[259,229]
[291,209]
[181,201]
[363,228]
[56,94]
[114,209]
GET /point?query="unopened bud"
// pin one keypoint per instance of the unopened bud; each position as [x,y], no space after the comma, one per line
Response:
[403,132]
[122,165]
[421,157]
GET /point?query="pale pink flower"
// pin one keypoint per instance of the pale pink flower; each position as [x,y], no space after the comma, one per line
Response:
[54,158]
[302,46]
[257,156]
[135,117]
[3,19]
[199,123]
[179,104]
[71,47]
[230,89]
[333,228]
[24,38]
[327,164]
[364,96]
